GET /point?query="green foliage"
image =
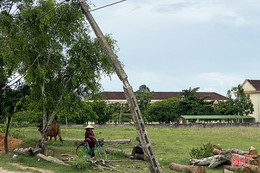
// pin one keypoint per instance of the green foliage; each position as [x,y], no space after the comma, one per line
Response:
[238,103]
[120,113]
[81,162]
[190,104]
[60,61]
[76,110]
[143,96]
[103,111]
[205,151]
[164,111]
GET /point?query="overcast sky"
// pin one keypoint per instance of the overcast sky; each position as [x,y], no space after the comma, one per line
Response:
[171,45]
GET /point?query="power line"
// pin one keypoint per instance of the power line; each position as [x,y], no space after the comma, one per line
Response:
[106,5]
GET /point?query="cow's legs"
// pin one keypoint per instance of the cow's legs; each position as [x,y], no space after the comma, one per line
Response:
[51,139]
[55,138]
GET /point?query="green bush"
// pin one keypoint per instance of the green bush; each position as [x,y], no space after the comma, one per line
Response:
[81,163]
[205,151]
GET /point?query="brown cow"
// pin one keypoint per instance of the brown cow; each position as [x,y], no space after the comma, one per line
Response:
[53,131]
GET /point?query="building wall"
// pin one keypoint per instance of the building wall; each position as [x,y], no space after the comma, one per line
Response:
[248,87]
[255,100]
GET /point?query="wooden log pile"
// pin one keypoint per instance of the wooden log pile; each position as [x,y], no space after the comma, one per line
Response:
[231,160]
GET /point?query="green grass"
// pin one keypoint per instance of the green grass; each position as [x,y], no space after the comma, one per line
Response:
[170,144]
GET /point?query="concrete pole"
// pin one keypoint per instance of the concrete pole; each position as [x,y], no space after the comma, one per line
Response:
[154,165]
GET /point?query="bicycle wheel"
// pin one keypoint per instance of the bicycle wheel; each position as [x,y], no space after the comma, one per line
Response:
[101,153]
[82,150]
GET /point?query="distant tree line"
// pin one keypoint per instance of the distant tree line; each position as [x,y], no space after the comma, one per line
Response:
[237,103]
[80,111]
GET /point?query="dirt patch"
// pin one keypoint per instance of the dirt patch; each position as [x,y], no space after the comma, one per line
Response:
[12,143]
[2,170]
[28,168]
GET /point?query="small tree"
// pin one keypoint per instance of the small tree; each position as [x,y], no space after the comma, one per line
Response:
[11,98]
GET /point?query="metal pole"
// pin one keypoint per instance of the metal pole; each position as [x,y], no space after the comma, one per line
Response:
[154,165]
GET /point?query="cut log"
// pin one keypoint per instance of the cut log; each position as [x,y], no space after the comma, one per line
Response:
[253,168]
[227,171]
[237,168]
[113,150]
[217,149]
[237,151]
[51,159]
[213,161]
[119,141]
[137,156]
[245,159]
[27,151]
[252,151]
[187,168]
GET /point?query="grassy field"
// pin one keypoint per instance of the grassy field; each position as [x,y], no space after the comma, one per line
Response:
[170,144]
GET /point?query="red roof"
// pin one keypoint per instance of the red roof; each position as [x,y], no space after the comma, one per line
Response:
[111,95]
[255,83]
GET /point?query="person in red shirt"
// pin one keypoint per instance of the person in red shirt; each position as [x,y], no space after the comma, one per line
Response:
[90,138]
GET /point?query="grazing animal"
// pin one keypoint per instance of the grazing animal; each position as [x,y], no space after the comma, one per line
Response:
[53,131]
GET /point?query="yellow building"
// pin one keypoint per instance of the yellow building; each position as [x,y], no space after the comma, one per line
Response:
[252,88]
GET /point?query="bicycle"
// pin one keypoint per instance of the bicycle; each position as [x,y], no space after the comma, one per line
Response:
[83,149]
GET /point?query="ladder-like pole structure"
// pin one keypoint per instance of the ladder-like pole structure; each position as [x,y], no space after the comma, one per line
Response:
[129,93]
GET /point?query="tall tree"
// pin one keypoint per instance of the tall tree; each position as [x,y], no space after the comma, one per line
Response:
[238,103]
[143,96]
[9,11]
[56,56]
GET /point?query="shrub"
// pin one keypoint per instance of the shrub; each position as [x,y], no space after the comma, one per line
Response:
[205,151]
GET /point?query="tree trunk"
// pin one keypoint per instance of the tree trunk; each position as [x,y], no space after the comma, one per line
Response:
[1,98]
[252,151]
[217,149]
[237,168]
[227,171]
[187,168]
[6,133]
[246,159]
[213,161]
[44,131]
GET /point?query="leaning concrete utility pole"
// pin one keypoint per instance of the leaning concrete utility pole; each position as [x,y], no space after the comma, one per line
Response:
[129,93]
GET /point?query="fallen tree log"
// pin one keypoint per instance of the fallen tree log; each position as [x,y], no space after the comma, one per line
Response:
[217,149]
[245,159]
[213,161]
[252,151]
[126,153]
[237,168]
[227,171]
[187,168]
[119,141]
[27,151]
[253,168]
[113,150]
[51,159]
[137,156]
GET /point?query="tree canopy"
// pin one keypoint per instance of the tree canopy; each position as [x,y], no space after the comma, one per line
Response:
[52,50]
